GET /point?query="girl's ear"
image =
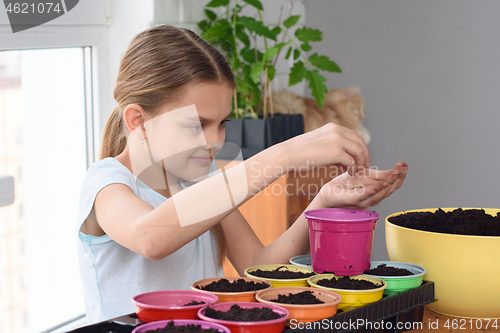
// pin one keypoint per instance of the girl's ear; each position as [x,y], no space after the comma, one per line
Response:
[133,117]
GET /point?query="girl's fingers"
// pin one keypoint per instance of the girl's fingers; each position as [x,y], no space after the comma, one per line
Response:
[353,136]
[356,151]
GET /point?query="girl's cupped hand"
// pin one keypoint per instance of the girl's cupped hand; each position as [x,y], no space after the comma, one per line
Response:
[365,188]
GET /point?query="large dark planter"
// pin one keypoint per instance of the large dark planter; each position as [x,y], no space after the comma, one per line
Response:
[255,135]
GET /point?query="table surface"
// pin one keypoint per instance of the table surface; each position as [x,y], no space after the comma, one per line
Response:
[435,323]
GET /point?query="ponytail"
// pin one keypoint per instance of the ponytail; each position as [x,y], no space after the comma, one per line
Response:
[113,138]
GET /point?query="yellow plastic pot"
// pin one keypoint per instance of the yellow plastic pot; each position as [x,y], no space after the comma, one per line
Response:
[465,269]
[281,282]
[352,299]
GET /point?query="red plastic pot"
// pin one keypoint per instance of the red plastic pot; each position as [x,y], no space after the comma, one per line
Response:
[267,326]
[169,304]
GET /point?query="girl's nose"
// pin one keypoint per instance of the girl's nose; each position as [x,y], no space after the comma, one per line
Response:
[214,139]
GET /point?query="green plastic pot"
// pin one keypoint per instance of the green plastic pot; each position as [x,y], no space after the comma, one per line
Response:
[399,284]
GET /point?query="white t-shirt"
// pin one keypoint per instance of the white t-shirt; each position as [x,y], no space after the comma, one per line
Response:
[112,274]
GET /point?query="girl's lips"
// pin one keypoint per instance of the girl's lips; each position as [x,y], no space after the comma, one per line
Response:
[202,160]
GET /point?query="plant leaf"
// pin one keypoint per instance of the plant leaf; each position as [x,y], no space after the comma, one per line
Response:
[256,3]
[276,31]
[203,25]
[318,88]
[256,71]
[307,34]
[244,38]
[271,53]
[291,21]
[305,47]
[270,72]
[217,3]
[296,54]
[249,55]
[211,15]
[252,25]
[297,73]
[218,31]
[324,63]
[288,53]
[281,45]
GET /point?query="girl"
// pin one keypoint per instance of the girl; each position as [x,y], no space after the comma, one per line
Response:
[146,226]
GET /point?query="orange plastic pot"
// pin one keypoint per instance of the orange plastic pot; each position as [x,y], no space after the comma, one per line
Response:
[303,312]
[224,297]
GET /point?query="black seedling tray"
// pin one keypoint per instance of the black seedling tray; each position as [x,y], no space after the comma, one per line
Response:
[405,309]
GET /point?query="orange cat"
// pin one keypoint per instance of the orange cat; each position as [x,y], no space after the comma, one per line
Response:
[344,107]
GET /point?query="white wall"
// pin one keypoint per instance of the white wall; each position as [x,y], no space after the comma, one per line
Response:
[429,73]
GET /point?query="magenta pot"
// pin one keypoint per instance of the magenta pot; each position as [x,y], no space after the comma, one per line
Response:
[341,239]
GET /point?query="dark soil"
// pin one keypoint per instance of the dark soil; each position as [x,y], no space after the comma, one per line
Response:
[384,270]
[281,273]
[304,297]
[194,303]
[236,313]
[171,328]
[224,285]
[345,282]
[473,222]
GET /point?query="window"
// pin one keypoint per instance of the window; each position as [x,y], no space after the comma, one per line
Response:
[62,83]
[47,105]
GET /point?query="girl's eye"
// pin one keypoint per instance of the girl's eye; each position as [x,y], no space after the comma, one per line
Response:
[195,128]
[223,123]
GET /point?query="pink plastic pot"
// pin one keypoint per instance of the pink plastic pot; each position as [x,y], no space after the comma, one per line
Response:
[267,326]
[182,322]
[169,304]
[341,239]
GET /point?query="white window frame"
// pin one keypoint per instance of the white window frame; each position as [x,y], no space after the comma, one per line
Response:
[76,35]
[55,36]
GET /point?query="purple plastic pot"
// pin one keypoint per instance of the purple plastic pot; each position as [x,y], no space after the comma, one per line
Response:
[180,322]
[341,239]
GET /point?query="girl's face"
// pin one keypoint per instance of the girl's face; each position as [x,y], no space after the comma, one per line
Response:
[188,134]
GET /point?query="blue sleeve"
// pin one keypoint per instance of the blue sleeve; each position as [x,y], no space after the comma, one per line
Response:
[99,175]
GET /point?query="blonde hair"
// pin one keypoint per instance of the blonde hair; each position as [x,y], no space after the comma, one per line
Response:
[158,65]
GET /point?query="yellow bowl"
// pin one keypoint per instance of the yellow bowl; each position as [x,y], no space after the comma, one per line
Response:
[352,299]
[281,282]
[465,269]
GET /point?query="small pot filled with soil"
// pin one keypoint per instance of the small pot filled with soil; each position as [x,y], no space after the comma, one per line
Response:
[356,291]
[457,247]
[171,304]
[232,289]
[181,326]
[400,276]
[281,275]
[305,304]
[247,317]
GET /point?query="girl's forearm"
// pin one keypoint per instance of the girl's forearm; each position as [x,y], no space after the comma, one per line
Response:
[193,211]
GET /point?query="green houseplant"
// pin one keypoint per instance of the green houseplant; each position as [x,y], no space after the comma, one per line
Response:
[227,27]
